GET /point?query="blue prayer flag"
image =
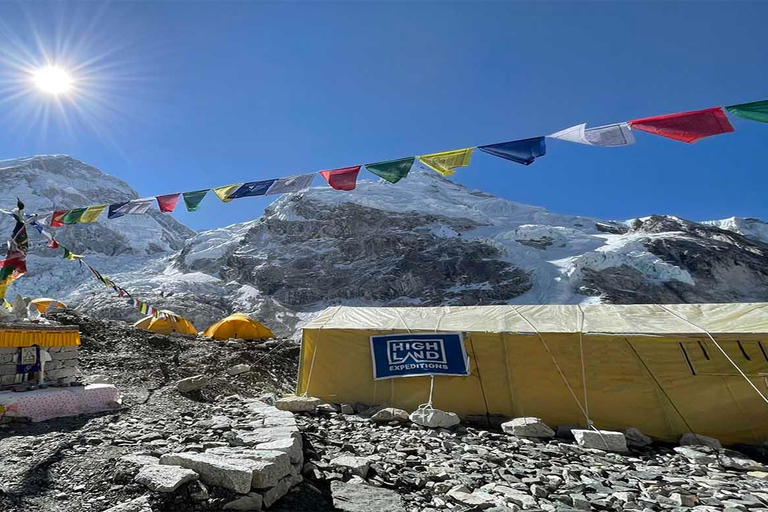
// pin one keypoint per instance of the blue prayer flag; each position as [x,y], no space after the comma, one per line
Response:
[521,151]
[253,188]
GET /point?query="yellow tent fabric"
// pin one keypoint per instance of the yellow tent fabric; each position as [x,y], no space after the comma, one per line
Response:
[647,366]
[44,336]
[166,325]
[43,303]
[239,326]
[446,162]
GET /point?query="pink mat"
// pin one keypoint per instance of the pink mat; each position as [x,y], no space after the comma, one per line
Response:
[44,404]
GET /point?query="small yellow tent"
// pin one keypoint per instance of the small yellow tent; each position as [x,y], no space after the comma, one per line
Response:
[43,303]
[166,325]
[239,326]
[649,366]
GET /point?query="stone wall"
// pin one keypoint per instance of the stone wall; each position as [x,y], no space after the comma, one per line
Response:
[62,370]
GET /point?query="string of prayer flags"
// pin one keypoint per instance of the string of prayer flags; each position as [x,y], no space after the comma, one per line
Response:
[252,189]
[392,170]
[224,192]
[57,218]
[73,216]
[608,136]
[521,151]
[686,126]
[192,199]
[756,110]
[291,184]
[14,264]
[447,162]
[69,255]
[91,214]
[52,243]
[133,207]
[342,179]
[167,203]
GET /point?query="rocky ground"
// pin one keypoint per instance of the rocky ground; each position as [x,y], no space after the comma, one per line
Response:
[352,463]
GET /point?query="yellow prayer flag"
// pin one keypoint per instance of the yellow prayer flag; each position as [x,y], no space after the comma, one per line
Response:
[224,192]
[91,214]
[446,162]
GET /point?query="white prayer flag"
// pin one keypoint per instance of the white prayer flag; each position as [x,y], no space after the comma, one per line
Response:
[611,135]
[291,184]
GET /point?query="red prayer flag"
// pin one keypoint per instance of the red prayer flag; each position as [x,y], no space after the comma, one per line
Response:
[342,179]
[56,218]
[168,202]
[686,126]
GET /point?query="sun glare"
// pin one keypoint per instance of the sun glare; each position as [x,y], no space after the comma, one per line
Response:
[53,80]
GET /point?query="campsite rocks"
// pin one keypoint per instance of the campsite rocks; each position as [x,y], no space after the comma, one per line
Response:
[295,403]
[601,440]
[434,418]
[528,427]
[390,414]
[238,369]
[164,478]
[355,465]
[699,440]
[192,383]
[356,497]
[635,437]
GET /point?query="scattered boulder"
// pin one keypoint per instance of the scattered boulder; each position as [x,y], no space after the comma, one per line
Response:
[356,497]
[390,414]
[601,440]
[355,465]
[434,418]
[252,501]
[691,439]
[192,383]
[238,369]
[347,409]
[140,504]
[477,500]
[164,478]
[636,438]
[734,460]
[233,474]
[527,427]
[697,454]
[294,403]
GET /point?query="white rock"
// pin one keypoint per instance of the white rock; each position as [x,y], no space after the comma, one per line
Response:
[601,440]
[295,403]
[268,466]
[635,437]
[164,478]
[528,427]
[217,470]
[253,501]
[97,379]
[290,445]
[434,418]
[762,475]
[140,504]
[476,500]
[354,497]
[192,383]
[357,465]
[390,414]
[238,369]
[699,440]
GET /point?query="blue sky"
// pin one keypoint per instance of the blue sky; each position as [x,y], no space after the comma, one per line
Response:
[180,96]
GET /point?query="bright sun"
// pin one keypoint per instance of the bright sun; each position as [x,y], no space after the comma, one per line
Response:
[53,80]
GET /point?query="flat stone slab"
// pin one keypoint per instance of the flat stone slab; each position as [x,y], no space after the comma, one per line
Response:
[232,474]
[635,437]
[238,369]
[690,439]
[356,465]
[165,478]
[192,383]
[390,414]
[140,504]
[434,418]
[290,445]
[528,427]
[267,466]
[601,440]
[295,403]
[351,497]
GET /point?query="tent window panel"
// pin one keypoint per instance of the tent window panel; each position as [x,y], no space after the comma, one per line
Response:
[743,352]
[703,350]
[687,359]
[762,350]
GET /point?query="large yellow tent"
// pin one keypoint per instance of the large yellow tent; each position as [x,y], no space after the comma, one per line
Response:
[239,326]
[647,366]
[166,325]
[43,303]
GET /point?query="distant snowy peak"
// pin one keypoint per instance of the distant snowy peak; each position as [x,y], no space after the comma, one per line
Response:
[755,229]
[50,182]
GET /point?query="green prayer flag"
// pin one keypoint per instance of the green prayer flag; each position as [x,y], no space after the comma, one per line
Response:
[756,111]
[192,199]
[392,170]
[73,216]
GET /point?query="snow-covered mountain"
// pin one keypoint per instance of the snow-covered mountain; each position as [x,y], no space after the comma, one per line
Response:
[424,241]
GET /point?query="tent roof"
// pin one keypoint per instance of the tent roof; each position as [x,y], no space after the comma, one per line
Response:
[638,319]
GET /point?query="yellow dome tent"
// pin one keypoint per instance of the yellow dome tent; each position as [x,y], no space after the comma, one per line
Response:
[166,325]
[42,304]
[239,326]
